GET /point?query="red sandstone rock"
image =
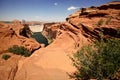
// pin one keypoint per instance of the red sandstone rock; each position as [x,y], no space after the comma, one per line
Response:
[13,34]
[16,34]
[52,62]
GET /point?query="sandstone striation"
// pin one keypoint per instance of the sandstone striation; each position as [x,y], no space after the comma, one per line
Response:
[93,19]
[80,29]
[16,34]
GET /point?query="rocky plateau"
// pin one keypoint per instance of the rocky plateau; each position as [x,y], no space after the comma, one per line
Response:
[53,62]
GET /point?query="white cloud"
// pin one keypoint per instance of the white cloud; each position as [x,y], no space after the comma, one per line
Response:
[55,4]
[72,8]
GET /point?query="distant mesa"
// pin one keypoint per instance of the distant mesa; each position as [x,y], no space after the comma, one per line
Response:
[16,21]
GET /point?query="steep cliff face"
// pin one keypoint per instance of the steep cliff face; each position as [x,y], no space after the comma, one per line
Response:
[16,34]
[89,22]
[93,19]
[80,29]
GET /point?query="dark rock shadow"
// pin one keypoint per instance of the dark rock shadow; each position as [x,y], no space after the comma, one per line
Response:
[40,38]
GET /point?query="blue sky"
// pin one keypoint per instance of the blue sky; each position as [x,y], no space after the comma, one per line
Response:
[43,10]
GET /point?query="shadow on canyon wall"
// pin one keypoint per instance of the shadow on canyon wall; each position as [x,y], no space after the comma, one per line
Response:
[39,37]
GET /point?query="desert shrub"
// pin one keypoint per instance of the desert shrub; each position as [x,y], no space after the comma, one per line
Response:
[80,24]
[83,10]
[100,22]
[118,16]
[118,31]
[50,38]
[99,61]
[108,20]
[50,41]
[19,50]
[5,56]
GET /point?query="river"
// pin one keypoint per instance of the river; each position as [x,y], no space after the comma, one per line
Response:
[37,35]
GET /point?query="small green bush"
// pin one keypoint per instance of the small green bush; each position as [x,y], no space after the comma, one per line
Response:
[19,50]
[100,22]
[100,61]
[50,41]
[80,24]
[118,31]
[6,56]
[108,20]
[83,10]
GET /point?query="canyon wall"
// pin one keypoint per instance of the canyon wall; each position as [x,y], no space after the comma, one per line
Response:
[81,28]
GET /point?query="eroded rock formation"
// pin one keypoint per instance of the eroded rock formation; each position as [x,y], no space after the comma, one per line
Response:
[14,34]
[80,29]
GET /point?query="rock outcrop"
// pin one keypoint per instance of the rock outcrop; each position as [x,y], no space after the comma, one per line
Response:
[8,68]
[16,34]
[81,28]
[93,19]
